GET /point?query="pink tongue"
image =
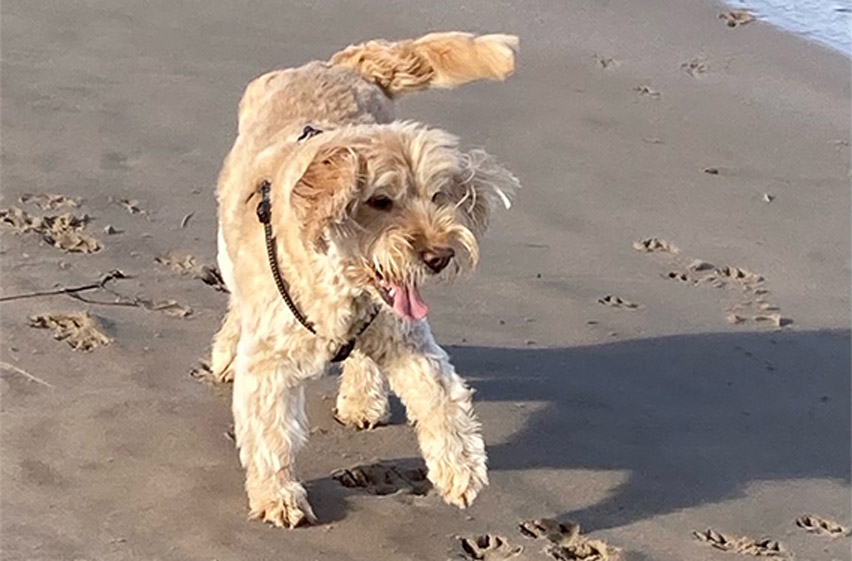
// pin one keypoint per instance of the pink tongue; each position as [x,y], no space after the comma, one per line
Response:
[408,303]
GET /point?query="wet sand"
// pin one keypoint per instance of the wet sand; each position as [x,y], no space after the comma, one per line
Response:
[635,392]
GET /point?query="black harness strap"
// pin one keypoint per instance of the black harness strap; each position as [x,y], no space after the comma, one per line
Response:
[308,132]
[264,215]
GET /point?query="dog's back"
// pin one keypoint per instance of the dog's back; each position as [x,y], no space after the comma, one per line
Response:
[358,84]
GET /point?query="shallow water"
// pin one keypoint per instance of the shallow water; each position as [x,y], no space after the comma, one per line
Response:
[826,21]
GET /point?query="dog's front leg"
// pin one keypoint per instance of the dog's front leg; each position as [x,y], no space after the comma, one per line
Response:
[438,402]
[362,401]
[270,426]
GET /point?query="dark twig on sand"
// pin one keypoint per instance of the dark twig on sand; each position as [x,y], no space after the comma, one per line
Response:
[69,290]
[168,307]
[119,301]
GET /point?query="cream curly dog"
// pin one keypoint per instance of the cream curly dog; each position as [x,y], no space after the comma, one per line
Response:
[352,210]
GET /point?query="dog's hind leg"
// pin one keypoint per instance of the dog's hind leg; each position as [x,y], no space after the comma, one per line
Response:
[226,339]
[225,345]
[439,404]
[270,426]
[362,400]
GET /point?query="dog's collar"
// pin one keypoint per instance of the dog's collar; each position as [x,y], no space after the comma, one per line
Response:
[264,214]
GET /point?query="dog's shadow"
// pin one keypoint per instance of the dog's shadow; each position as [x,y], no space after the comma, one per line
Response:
[691,419]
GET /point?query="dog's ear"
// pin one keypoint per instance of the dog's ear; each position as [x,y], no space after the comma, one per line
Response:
[480,186]
[328,186]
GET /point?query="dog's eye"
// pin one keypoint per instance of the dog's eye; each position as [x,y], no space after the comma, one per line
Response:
[439,198]
[380,202]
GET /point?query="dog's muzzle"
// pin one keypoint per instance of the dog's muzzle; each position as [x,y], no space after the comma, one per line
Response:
[437,258]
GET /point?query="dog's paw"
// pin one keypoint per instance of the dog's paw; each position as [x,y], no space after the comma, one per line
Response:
[360,419]
[288,510]
[221,368]
[207,373]
[459,483]
[225,376]
[362,410]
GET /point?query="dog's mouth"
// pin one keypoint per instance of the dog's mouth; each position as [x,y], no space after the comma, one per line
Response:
[404,298]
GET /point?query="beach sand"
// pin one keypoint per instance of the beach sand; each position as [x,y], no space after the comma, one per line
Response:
[635,392]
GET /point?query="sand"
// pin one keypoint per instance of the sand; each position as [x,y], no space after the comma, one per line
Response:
[614,389]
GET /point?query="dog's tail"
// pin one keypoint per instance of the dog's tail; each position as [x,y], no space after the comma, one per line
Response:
[437,60]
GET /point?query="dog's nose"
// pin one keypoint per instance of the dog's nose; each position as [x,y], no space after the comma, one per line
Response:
[437,258]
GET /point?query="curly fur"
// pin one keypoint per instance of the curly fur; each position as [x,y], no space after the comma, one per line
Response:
[337,248]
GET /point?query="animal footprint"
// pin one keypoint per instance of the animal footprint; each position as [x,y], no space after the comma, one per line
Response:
[566,542]
[130,205]
[818,525]
[651,245]
[605,61]
[617,302]
[765,547]
[674,275]
[736,18]
[646,90]
[202,372]
[734,319]
[700,265]
[694,67]
[383,478]
[171,308]
[49,201]
[774,319]
[79,329]
[488,548]
[187,264]
[740,275]
[64,231]
[699,272]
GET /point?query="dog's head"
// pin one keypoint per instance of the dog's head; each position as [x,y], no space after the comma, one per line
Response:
[393,205]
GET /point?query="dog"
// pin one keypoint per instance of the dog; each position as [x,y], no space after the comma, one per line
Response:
[331,215]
